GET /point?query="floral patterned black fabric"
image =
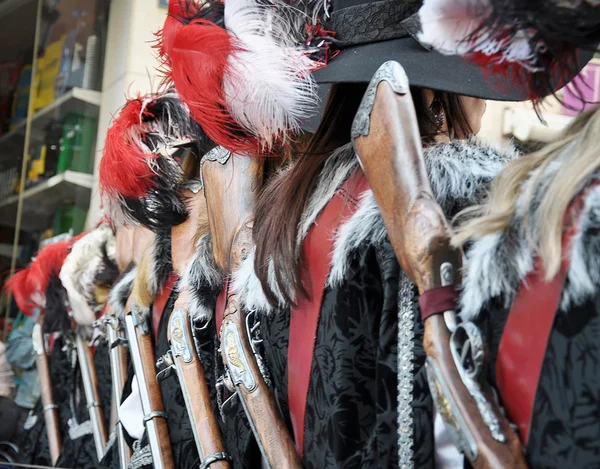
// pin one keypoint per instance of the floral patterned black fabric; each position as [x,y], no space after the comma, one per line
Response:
[564,430]
[351,417]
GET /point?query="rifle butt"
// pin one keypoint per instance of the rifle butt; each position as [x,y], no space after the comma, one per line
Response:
[195,391]
[144,363]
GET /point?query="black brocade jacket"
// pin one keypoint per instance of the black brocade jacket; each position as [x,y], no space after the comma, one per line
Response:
[369,335]
[565,426]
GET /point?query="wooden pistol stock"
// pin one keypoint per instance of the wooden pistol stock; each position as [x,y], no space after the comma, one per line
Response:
[387,141]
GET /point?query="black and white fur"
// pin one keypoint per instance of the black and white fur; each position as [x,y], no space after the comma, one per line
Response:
[121,291]
[497,263]
[459,171]
[202,280]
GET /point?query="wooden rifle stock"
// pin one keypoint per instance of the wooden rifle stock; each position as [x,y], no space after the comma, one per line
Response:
[231,189]
[183,355]
[388,145]
[92,396]
[144,364]
[50,409]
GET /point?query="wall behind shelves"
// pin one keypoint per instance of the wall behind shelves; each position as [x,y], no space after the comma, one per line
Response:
[129,68]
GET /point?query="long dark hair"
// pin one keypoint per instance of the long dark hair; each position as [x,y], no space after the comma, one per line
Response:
[283,201]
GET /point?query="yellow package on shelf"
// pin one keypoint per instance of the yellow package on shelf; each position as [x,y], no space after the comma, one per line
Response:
[48,69]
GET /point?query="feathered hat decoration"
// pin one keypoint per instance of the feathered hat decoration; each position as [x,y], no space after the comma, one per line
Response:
[532,41]
[139,178]
[239,70]
[90,263]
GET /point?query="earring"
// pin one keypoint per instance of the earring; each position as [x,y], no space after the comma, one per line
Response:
[436,113]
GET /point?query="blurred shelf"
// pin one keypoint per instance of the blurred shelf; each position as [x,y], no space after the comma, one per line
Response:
[76,100]
[6,250]
[41,201]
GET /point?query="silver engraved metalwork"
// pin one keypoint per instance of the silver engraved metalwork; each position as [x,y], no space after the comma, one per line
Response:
[237,362]
[392,72]
[444,403]
[447,277]
[180,346]
[406,334]
[219,154]
[38,339]
[193,185]
[77,430]
[140,318]
[254,339]
[140,457]
[466,346]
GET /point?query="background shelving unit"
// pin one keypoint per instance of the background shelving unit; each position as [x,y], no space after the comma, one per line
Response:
[47,155]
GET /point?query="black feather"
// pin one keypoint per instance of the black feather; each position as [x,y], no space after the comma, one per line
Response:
[56,315]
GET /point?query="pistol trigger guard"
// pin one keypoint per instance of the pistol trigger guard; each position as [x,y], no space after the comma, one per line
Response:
[469,354]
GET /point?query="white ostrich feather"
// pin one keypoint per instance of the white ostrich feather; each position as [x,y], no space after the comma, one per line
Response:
[454,28]
[79,270]
[269,88]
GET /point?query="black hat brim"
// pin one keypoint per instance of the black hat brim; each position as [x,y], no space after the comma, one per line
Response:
[427,69]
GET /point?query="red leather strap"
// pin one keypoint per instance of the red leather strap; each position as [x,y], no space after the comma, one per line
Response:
[158,306]
[220,306]
[317,249]
[527,332]
[437,300]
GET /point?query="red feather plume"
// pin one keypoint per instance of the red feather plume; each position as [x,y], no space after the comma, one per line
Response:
[19,286]
[124,166]
[194,59]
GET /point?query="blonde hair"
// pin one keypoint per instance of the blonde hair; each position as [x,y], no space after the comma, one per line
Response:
[518,180]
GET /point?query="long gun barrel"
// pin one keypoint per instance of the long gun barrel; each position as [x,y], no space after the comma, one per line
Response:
[118,372]
[144,364]
[387,141]
[50,408]
[231,187]
[92,396]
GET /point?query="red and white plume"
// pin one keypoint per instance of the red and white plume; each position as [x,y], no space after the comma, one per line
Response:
[239,70]
[456,27]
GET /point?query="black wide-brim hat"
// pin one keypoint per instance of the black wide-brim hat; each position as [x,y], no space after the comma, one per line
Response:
[369,33]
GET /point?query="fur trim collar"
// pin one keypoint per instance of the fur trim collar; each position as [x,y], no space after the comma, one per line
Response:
[202,280]
[459,171]
[119,294]
[497,263]
[161,265]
